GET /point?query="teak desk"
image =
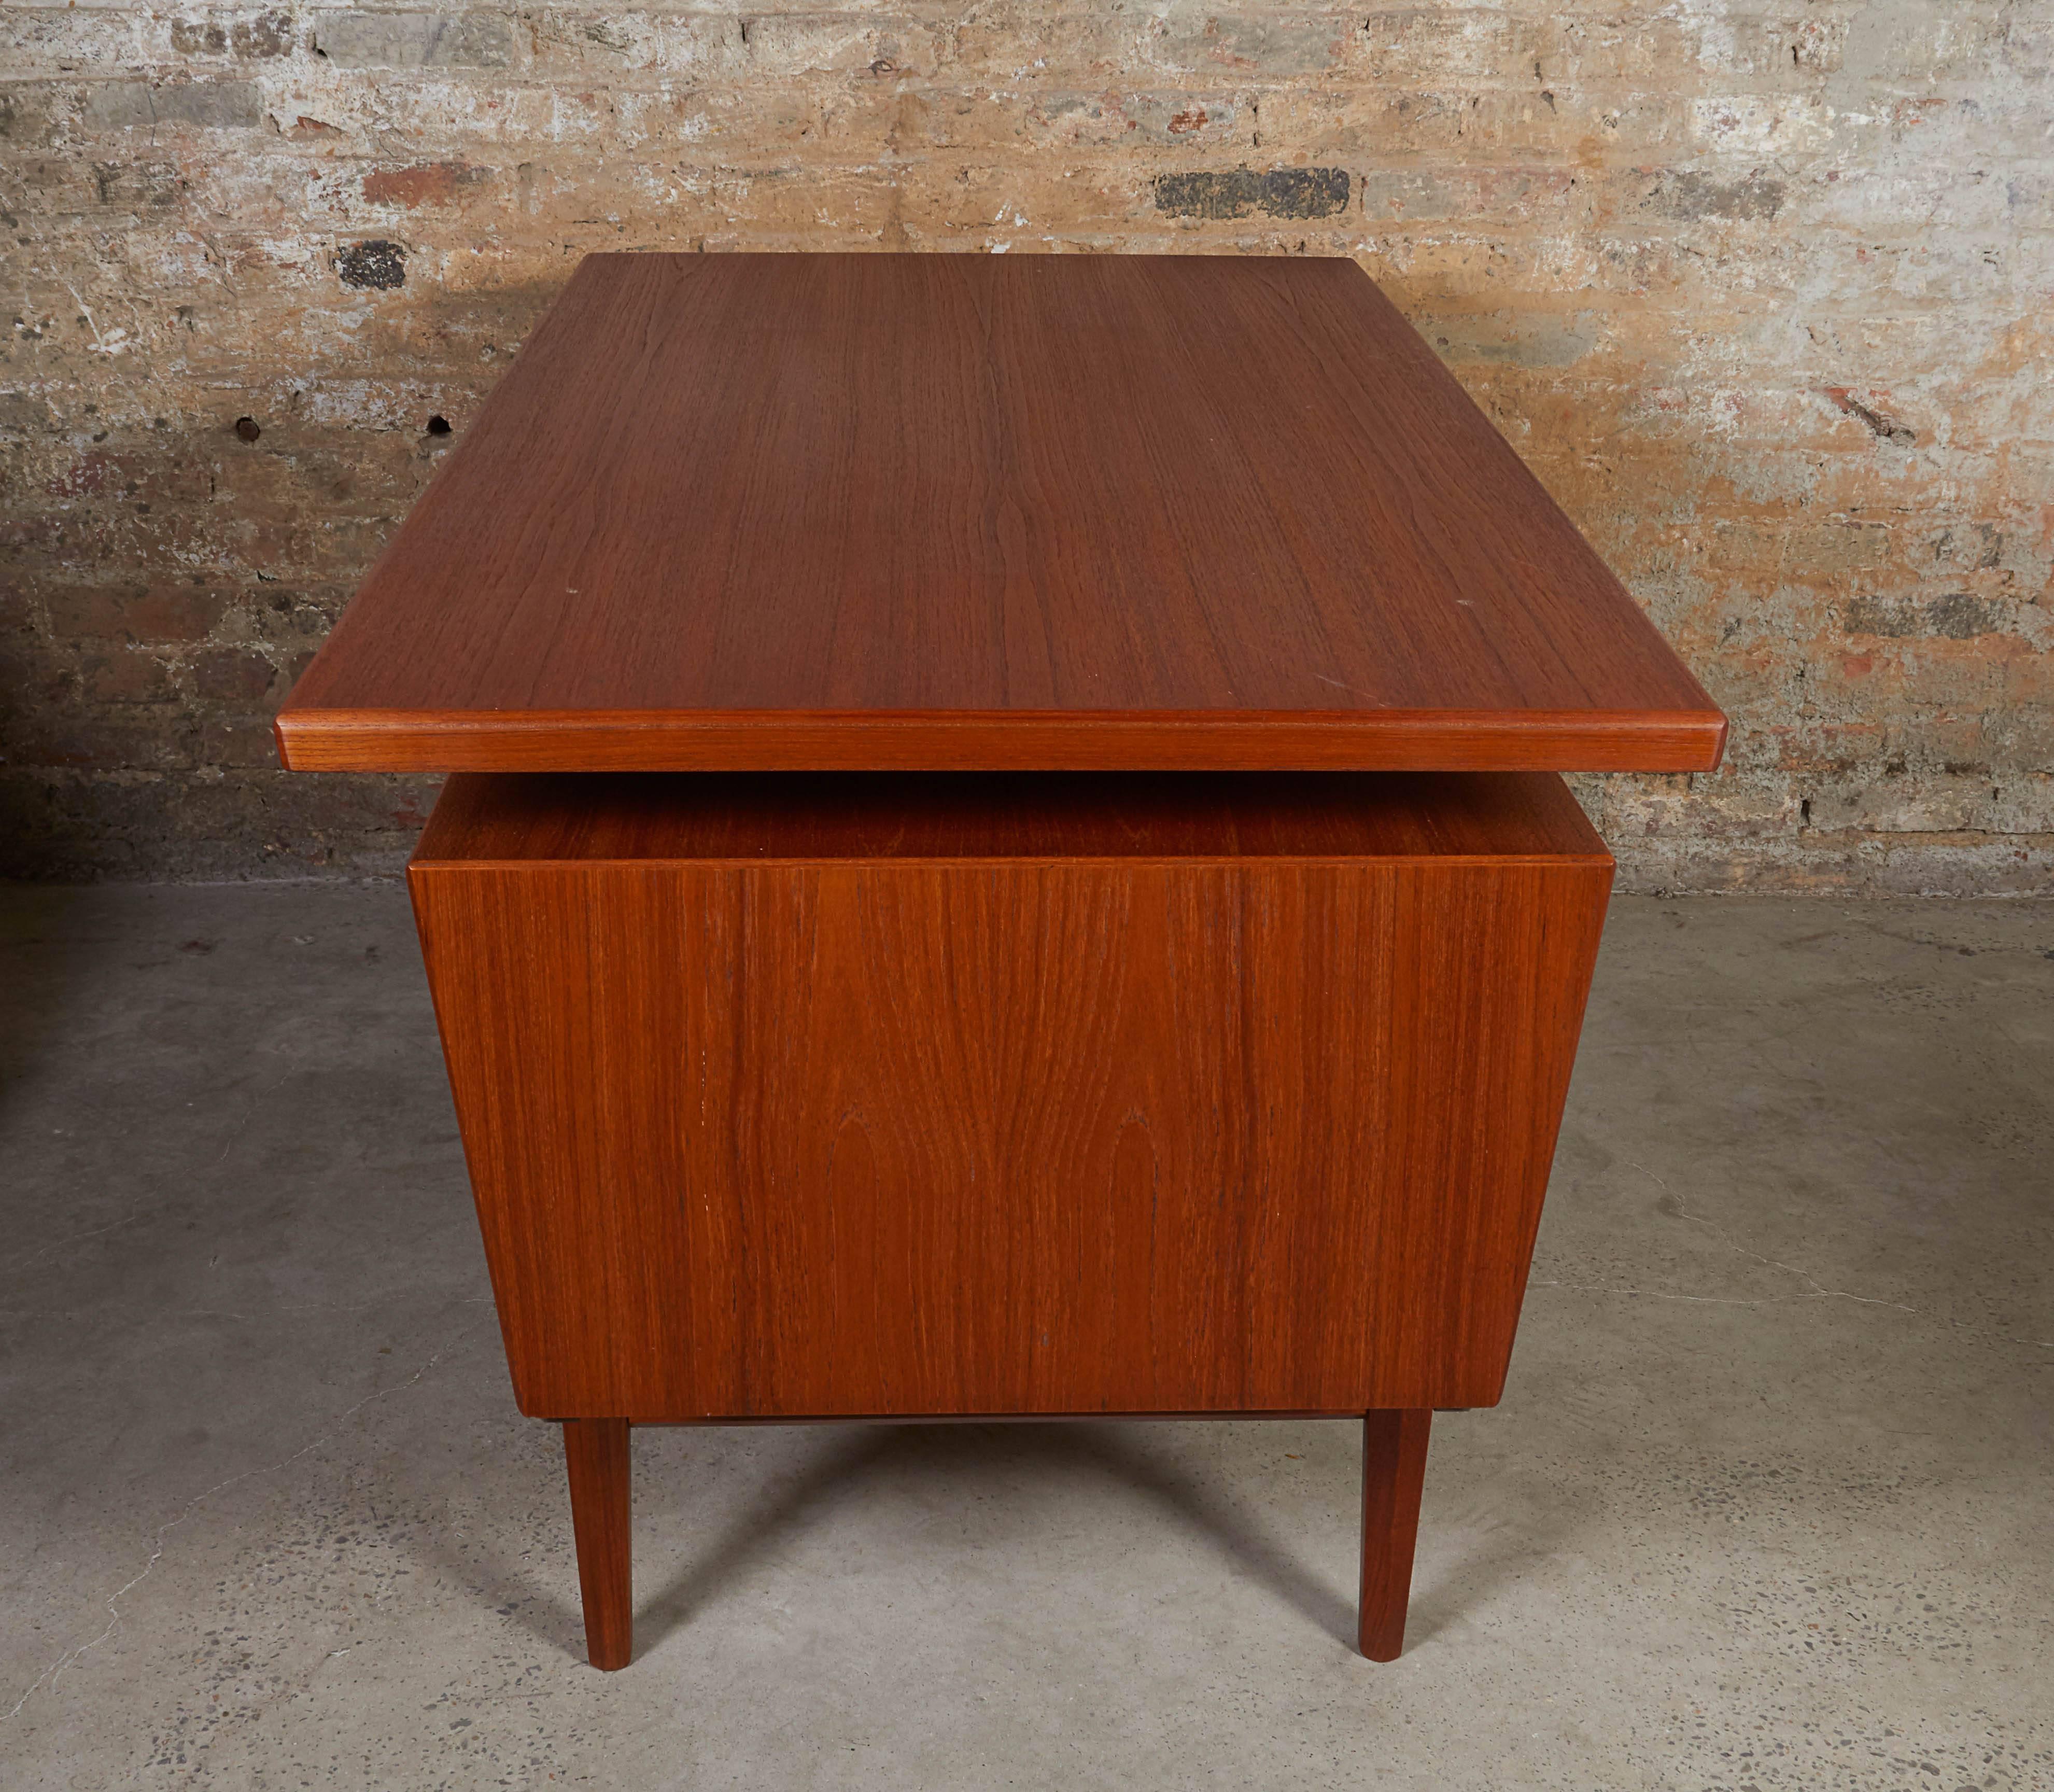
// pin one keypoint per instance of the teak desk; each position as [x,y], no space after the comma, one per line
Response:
[1005,861]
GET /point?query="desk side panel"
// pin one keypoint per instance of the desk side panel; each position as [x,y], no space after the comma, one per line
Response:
[878,1138]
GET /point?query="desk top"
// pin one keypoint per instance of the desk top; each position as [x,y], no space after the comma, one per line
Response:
[930,512]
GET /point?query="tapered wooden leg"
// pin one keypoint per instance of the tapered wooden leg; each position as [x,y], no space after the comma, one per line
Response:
[1393,1469]
[595,1452]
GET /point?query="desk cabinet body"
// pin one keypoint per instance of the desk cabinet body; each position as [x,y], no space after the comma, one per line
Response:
[1185,1096]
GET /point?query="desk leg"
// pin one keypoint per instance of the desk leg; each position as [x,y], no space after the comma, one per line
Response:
[595,1452]
[1393,1468]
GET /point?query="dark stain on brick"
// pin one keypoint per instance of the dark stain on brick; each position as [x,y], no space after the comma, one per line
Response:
[1208,195]
[1960,615]
[1884,428]
[375,263]
[1242,192]
[1689,196]
[1305,192]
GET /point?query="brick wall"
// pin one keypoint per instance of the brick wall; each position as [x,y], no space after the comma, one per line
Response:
[1765,298]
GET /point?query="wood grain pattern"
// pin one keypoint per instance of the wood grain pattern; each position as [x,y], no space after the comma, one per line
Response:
[747,819]
[596,1457]
[951,511]
[1394,1474]
[1262,1127]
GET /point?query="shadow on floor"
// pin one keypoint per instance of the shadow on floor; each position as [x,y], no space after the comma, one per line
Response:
[1060,1452]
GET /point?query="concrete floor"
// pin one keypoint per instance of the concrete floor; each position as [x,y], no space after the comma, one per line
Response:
[1767,1504]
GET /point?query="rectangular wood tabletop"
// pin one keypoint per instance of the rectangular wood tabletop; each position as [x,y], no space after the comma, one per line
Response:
[956,512]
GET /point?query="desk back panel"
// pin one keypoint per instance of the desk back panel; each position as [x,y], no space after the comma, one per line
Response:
[754,1135]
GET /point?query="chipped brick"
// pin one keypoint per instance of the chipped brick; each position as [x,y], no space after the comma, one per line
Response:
[203,105]
[1261,43]
[1884,428]
[360,40]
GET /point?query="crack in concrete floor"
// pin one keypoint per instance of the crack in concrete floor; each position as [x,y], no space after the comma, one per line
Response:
[111,1601]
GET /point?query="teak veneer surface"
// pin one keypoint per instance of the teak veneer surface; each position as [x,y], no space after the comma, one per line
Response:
[768,818]
[953,1112]
[750,512]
